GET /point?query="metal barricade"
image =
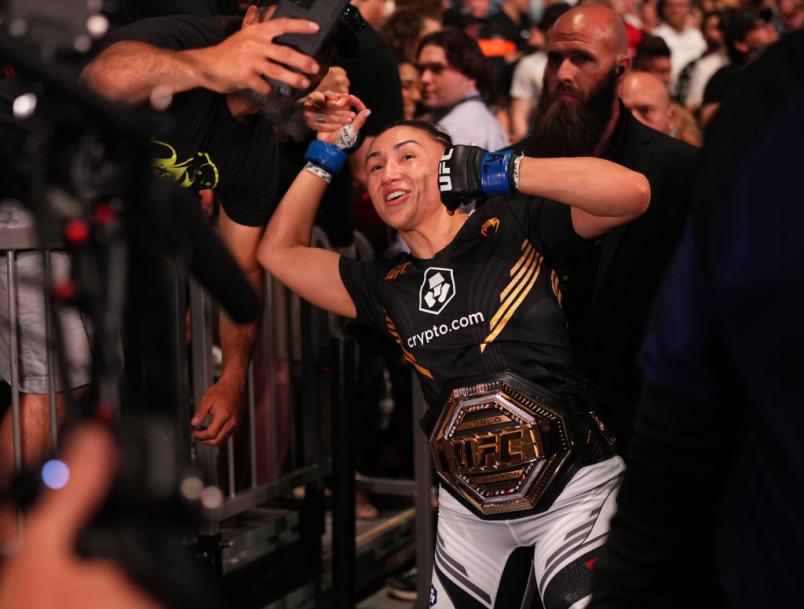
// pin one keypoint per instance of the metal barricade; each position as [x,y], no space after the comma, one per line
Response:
[281,442]
[285,371]
[265,475]
[14,243]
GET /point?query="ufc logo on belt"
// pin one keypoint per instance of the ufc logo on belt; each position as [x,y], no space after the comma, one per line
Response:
[476,453]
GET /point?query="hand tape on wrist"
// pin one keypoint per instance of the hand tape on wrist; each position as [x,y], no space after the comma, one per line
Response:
[495,174]
[515,172]
[328,157]
[318,171]
[347,138]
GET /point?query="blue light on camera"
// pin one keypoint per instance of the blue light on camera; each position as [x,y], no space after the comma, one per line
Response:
[55,474]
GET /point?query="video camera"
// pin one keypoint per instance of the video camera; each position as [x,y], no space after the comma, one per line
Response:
[75,152]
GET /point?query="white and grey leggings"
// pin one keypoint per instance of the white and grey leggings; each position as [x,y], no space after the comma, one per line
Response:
[477,562]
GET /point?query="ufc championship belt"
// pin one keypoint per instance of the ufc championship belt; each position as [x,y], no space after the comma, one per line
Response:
[505,445]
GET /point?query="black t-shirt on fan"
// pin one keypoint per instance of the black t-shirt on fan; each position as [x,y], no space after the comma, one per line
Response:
[490,301]
[208,147]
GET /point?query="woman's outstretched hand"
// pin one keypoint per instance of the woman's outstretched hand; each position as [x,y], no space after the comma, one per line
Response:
[328,112]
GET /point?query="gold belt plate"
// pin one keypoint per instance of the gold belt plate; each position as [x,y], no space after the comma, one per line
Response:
[499,448]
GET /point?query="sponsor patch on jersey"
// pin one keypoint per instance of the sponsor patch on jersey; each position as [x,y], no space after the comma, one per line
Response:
[437,289]
[490,226]
[397,271]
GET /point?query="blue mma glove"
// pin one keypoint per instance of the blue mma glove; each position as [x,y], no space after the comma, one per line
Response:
[468,173]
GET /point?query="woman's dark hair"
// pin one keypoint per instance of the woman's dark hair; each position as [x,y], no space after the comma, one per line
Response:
[428,128]
[463,54]
[402,31]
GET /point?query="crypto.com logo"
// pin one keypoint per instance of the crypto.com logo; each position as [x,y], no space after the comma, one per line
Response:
[438,288]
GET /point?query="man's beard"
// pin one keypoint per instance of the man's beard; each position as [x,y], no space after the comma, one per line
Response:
[279,109]
[573,128]
[275,107]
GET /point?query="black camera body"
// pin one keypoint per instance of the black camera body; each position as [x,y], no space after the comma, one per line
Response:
[323,12]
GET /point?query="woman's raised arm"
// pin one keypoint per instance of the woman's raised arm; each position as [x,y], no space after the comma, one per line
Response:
[285,250]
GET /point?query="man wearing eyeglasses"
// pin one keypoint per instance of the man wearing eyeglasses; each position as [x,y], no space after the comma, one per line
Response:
[453,76]
[212,75]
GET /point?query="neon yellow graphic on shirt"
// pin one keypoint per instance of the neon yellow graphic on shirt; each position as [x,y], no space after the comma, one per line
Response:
[196,172]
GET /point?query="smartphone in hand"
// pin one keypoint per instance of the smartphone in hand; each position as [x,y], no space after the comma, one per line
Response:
[324,12]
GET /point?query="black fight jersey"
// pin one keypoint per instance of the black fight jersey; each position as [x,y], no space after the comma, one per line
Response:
[207,147]
[490,301]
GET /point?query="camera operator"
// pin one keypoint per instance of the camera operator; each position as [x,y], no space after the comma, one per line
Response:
[223,110]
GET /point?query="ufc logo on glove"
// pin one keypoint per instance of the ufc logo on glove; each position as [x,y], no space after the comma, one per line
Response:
[444,179]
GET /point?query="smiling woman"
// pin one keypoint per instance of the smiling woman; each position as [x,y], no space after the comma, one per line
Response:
[401,166]
[476,311]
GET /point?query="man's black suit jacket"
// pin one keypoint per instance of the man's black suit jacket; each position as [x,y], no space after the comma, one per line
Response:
[611,286]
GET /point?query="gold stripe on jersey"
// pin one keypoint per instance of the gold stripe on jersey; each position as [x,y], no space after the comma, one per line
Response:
[407,355]
[525,261]
[524,275]
[556,285]
[522,272]
[526,247]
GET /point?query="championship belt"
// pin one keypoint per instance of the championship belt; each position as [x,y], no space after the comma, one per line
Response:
[506,445]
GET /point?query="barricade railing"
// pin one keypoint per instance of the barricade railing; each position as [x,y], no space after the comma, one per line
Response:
[281,442]
[284,389]
[13,242]
[283,384]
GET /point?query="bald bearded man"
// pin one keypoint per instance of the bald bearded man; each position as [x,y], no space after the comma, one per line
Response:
[610,286]
[648,100]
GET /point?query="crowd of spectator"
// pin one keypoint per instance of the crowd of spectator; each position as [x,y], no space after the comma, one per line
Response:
[476,67]
[681,42]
